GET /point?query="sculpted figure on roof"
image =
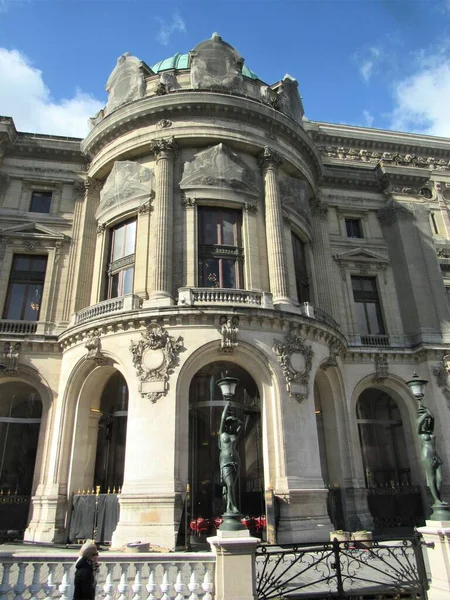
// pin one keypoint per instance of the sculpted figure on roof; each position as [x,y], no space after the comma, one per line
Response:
[126,82]
[216,65]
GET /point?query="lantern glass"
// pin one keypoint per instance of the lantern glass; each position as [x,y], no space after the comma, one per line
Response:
[417,386]
[228,386]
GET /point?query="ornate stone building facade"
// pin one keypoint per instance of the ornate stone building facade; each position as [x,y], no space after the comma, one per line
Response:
[204,227]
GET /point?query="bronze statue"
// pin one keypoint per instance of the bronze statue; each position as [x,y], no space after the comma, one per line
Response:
[430,458]
[230,429]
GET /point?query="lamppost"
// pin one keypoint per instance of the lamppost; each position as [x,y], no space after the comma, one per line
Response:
[229,461]
[431,461]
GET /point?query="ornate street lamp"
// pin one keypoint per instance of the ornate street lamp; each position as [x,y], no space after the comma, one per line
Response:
[431,461]
[229,461]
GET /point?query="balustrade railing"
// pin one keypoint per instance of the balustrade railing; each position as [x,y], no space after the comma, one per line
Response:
[120,576]
[205,296]
[375,340]
[313,312]
[17,327]
[123,303]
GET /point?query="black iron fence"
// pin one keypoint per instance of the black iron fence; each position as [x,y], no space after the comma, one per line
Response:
[14,509]
[357,569]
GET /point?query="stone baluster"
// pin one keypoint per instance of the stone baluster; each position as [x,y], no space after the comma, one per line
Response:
[278,274]
[35,586]
[50,586]
[151,586]
[207,586]
[179,587]
[137,585]
[162,227]
[65,583]
[108,588]
[165,586]
[5,586]
[20,586]
[123,584]
[194,586]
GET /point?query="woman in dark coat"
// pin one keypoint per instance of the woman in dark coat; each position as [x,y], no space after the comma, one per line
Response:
[85,571]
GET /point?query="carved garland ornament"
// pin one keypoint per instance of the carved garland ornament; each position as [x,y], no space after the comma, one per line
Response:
[154,358]
[295,358]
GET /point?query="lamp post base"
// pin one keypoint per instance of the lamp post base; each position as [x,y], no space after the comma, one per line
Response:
[232,522]
[440,512]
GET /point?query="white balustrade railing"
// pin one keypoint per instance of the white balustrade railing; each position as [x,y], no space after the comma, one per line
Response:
[177,576]
[18,327]
[207,296]
[114,305]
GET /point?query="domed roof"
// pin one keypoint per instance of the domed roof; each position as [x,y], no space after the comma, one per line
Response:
[181,61]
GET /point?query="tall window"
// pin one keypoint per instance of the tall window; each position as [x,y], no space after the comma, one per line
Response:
[367,306]
[353,228]
[120,273]
[41,202]
[220,252]
[26,283]
[301,273]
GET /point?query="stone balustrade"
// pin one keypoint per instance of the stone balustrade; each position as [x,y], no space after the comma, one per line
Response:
[121,576]
[11,327]
[107,307]
[223,296]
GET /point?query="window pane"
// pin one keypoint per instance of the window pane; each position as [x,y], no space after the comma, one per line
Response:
[114,292]
[127,281]
[40,202]
[361,318]
[356,284]
[15,300]
[209,273]
[208,226]
[228,273]
[228,228]
[21,263]
[368,284]
[130,238]
[373,317]
[118,242]
[353,227]
[33,300]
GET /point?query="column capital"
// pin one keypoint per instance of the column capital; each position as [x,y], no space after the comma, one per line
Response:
[318,207]
[269,159]
[165,147]
[92,184]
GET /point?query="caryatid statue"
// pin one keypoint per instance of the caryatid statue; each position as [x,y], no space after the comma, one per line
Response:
[230,430]
[431,461]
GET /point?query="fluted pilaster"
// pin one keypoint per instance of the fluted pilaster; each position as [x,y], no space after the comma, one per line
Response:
[278,277]
[165,150]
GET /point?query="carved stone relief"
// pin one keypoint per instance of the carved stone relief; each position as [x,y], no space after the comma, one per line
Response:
[219,167]
[442,374]
[335,348]
[126,82]
[293,196]
[154,357]
[127,182]
[11,355]
[289,100]
[229,329]
[295,358]
[381,367]
[169,81]
[216,65]
[94,347]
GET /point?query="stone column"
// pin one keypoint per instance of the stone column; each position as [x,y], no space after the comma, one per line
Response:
[85,241]
[141,261]
[278,276]
[165,150]
[324,269]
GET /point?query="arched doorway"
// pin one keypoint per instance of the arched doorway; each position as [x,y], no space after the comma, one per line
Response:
[206,405]
[95,506]
[20,419]
[394,498]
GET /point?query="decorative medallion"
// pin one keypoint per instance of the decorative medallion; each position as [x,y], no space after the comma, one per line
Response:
[154,358]
[295,358]
[229,330]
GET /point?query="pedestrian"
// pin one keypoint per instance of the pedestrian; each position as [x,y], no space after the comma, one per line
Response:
[86,569]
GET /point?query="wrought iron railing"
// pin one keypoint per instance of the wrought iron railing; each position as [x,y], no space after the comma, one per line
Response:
[18,327]
[342,570]
[137,576]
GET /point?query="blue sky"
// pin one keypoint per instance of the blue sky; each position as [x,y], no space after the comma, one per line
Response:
[376,63]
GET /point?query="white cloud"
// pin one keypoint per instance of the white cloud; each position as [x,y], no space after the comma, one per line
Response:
[421,99]
[25,97]
[166,30]
[367,61]
[368,118]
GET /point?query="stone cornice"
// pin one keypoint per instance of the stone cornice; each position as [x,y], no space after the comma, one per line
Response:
[150,111]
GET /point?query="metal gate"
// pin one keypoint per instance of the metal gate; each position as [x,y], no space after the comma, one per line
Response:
[362,569]
[14,509]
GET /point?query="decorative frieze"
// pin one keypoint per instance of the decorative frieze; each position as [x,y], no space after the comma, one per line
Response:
[295,358]
[154,358]
[229,329]
[403,160]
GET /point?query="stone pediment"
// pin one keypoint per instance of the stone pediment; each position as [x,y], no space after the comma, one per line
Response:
[361,255]
[32,230]
[128,183]
[219,167]
[294,198]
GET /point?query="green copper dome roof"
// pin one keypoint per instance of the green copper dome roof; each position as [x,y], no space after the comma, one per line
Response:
[181,61]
